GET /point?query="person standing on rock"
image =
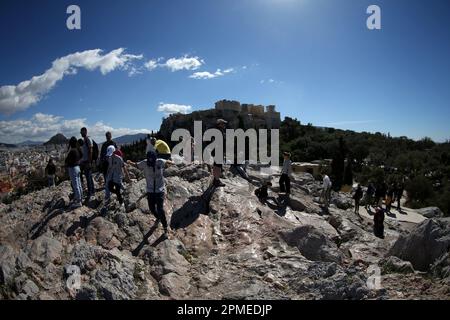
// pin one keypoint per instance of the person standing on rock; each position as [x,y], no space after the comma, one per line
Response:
[326,190]
[50,170]
[399,194]
[73,164]
[357,197]
[389,198]
[286,171]
[217,167]
[369,196]
[103,158]
[380,194]
[378,222]
[114,175]
[153,168]
[86,161]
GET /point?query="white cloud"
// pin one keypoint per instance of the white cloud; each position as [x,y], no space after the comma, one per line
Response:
[209,75]
[271,81]
[183,63]
[14,98]
[169,108]
[151,65]
[42,127]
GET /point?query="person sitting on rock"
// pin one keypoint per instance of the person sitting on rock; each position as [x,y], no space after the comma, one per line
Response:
[161,147]
[286,171]
[153,168]
[262,192]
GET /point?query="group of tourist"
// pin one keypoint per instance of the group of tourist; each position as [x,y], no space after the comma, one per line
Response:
[390,193]
[375,196]
[83,154]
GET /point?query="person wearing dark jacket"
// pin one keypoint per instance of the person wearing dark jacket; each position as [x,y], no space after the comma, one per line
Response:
[369,195]
[357,197]
[50,170]
[103,159]
[389,198]
[73,164]
[380,194]
[378,222]
[398,194]
[286,171]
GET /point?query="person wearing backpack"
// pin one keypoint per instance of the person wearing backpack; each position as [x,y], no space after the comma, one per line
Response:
[114,174]
[103,159]
[72,162]
[153,168]
[86,161]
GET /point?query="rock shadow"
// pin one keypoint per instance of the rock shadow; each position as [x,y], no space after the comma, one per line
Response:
[144,241]
[191,209]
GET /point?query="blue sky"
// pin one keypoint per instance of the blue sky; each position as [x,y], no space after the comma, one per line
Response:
[314,59]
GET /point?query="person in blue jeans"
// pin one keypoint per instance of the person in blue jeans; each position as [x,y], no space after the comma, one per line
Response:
[73,164]
[114,174]
[153,168]
[86,161]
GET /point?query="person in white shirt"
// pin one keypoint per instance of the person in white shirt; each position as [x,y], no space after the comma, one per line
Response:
[286,171]
[153,168]
[326,191]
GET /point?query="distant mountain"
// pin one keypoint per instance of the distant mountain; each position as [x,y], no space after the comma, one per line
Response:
[30,143]
[57,139]
[7,145]
[129,138]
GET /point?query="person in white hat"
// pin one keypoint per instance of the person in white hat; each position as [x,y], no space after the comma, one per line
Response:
[114,175]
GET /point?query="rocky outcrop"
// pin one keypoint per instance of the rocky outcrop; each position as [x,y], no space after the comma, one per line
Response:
[224,244]
[396,265]
[426,243]
[313,244]
[431,212]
